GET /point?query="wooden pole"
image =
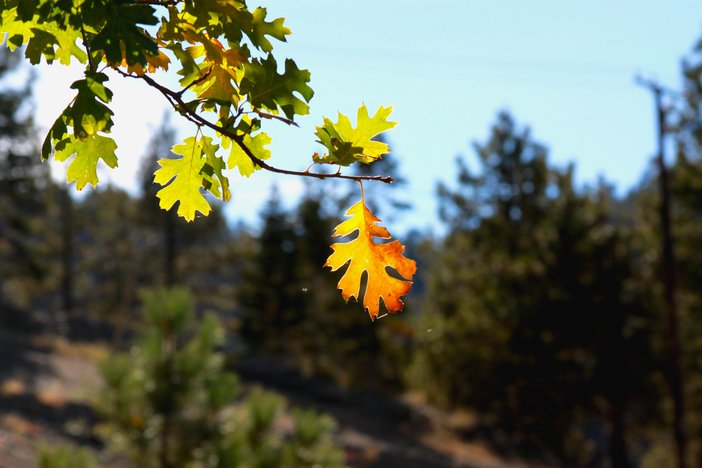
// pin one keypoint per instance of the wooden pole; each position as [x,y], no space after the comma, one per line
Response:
[668,275]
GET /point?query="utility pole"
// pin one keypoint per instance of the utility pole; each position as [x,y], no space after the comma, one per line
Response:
[668,275]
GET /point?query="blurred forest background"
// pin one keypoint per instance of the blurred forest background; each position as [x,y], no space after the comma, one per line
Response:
[535,335]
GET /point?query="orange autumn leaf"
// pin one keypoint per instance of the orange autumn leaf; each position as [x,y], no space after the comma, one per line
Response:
[365,255]
[153,62]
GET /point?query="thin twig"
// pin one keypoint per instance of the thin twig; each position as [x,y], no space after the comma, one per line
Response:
[196,82]
[177,102]
[87,47]
[277,117]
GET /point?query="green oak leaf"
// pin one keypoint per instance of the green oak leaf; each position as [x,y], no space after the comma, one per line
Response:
[88,152]
[231,18]
[26,9]
[266,88]
[238,158]
[260,29]
[190,70]
[169,30]
[88,115]
[121,27]
[13,30]
[341,152]
[57,136]
[67,46]
[218,15]
[41,43]
[185,174]
[218,85]
[41,37]
[347,144]
[214,167]
[92,15]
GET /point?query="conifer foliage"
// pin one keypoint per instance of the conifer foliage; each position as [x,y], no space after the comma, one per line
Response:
[289,307]
[24,188]
[170,403]
[534,294]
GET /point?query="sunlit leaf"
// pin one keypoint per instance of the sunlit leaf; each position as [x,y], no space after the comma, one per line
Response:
[212,171]
[238,158]
[89,114]
[121,30]
[186,177]
[364,255]
[266,88]
[88,152]
[347,145]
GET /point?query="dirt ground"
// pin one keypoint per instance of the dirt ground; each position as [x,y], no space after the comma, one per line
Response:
[48,380]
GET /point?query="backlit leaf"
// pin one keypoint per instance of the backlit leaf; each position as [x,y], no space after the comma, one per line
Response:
[41,43]
[190,70]
[57,133]
[121,30]
[89,114]
[186,177]
[88,152]
[347,144]
[222,68]
[218,85]
[231,18]
[363,254]
[15,31]
[42,38]
[238,158]
[260,29]
[212,171]
[265,88]
[67,47]
[153,63]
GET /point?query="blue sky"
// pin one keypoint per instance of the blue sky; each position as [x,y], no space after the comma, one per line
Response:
[565,68]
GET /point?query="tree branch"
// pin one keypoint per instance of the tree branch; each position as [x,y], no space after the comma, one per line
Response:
[158,2]
[196,82]
[87,47]
[177,102]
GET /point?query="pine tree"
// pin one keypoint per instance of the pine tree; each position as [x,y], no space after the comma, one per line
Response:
[24,183]
[170,401]
[534,320]
[150,214]
[686,194]
[109,258]
[292,309]
[270,295]
[170,239]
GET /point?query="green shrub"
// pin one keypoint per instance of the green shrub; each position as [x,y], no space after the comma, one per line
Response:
[170,403]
